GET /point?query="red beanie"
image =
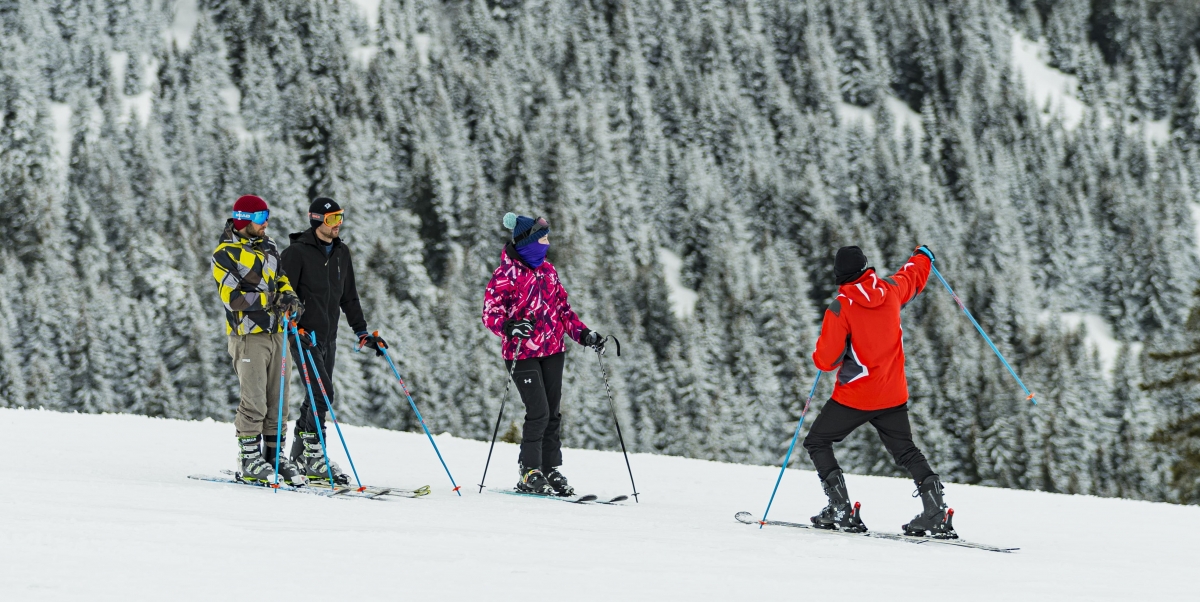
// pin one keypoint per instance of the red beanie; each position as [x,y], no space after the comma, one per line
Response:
[248,203]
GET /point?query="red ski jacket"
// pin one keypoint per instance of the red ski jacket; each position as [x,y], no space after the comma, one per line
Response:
[861,337]
[518,292]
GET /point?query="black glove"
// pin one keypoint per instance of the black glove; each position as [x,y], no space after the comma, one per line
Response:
[592,339]
[522,329]
[374,341]
[924,250]
[287,304]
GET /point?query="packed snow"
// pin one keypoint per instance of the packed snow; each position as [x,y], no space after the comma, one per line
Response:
[370,9]
[187,15]
[682,299]
[104,511]
[60,116]
[904,116]
[1049,87]
[1099,336]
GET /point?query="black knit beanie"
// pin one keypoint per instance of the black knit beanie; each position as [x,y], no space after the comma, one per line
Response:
[320,207]
[849,264]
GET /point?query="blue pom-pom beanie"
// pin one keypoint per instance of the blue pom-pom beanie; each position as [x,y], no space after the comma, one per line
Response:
[520,226]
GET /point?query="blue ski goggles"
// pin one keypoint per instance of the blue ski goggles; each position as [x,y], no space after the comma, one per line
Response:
[258,217]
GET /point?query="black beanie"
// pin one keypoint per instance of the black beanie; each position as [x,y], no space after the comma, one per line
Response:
[320,207]
[849,264]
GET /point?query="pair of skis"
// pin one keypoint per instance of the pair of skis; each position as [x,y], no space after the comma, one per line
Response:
[747,518]
[574,499]
[320,488]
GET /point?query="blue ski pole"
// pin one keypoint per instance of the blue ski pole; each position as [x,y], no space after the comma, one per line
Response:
[412,403]
[282,390]
[332,415]
[791,447]
[985,336]
[312,404]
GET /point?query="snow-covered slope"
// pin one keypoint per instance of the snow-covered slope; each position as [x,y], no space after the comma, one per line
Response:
[99,509]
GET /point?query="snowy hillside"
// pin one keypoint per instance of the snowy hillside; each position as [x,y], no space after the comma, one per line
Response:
[105,513]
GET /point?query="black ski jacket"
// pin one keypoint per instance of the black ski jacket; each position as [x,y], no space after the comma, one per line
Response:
[323,284]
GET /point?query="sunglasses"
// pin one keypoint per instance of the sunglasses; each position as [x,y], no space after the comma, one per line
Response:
[258,217]
[329,219]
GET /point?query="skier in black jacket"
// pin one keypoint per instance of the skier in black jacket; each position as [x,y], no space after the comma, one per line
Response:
[319,267]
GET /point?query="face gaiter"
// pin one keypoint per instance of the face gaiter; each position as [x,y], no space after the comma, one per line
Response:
[534,253]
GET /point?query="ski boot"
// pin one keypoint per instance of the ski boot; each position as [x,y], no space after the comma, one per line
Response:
[289,473]
[312,461]
[838,514]
[559,483]
[533,481]
[936,519]
[252,468]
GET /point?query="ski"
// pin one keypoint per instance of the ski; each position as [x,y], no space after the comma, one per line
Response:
[288,488]
[747,518]
[578,499]
[616,501]
[370,491]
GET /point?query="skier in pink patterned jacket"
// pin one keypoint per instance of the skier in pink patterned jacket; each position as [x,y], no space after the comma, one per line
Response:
[527,306]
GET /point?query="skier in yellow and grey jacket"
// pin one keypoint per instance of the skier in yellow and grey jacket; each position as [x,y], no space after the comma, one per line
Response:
[257,298]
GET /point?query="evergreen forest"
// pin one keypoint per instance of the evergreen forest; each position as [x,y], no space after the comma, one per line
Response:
[700,162]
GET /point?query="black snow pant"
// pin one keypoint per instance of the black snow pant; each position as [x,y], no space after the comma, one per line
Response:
[321,365]
[539,380]
[837,421]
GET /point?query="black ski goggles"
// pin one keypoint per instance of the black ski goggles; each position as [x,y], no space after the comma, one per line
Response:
[540,224]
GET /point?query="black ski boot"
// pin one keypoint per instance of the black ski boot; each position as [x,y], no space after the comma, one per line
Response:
[559,483]
[936,519]
[252,468]
[289,473]
[533,481]
[312,461]
[839,514]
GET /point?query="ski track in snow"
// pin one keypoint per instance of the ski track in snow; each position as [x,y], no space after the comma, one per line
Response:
[105,512]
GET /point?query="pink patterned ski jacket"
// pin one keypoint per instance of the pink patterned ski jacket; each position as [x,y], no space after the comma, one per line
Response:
[517,292]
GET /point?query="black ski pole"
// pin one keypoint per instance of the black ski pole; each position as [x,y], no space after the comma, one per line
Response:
[495,431]
[604,374]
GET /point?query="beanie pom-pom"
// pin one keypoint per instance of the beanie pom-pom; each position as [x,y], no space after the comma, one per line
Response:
[510,220]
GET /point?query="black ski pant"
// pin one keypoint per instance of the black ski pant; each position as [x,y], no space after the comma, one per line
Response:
[321,364]
[539,381]
[837,421]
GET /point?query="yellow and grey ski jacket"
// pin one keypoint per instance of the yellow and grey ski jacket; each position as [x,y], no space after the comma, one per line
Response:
[248,277]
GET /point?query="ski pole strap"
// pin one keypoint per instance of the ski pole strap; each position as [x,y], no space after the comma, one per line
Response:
[984,334]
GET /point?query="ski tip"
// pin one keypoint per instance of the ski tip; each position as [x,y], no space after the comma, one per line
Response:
[745,517]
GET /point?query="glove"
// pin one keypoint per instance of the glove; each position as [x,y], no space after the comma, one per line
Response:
[924,250]
[592,339]
[522,329]
[287,304]
[374,341]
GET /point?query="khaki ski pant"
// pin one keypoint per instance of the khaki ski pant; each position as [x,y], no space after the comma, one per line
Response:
[256,360]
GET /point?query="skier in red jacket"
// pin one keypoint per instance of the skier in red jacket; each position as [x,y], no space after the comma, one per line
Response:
[861,338]
[526,304]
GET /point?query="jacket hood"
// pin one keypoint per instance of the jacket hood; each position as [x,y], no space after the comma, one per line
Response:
[309,237]
[867,290]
